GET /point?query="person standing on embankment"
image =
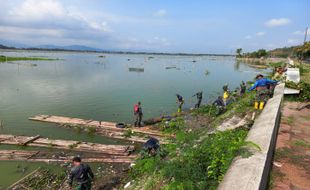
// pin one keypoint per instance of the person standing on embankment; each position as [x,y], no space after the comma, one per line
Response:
[138,114]
[262,92]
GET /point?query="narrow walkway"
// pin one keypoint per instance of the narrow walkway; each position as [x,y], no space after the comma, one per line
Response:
[291,167]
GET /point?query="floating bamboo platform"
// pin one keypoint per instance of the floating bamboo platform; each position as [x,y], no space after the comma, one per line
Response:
[101,124]
[39,156]
[38,141]
[103,128]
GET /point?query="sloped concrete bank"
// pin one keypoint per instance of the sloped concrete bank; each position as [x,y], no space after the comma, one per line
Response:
[252,173]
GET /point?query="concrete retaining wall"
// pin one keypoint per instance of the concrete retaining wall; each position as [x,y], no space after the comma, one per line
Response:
[252,173]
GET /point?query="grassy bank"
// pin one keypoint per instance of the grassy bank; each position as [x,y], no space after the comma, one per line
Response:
[200,157]
[5,59]
[263,62]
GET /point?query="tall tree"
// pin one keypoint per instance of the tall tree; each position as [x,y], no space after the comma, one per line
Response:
[238,52]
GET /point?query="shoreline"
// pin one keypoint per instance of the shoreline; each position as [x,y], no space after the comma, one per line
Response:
[263,61]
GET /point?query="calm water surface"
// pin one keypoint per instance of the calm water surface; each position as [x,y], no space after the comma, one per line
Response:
[86,86]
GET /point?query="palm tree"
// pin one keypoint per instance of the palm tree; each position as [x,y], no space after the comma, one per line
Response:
[238,52]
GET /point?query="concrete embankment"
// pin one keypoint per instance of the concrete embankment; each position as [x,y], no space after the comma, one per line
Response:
[252,173]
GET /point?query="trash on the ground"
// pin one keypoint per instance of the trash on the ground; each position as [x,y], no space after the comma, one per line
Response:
[127,185]
[277,164]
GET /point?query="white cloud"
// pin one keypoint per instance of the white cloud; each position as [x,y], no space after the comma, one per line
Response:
[38,10]
[260,33]
[277,22]
[293,41]
[248,37]
[48,21]
[160,13]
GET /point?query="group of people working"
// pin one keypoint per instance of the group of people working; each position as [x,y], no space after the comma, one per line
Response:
[82,173]
[138,114]
[264,89]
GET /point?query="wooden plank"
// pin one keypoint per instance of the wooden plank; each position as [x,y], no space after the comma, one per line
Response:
[33,155]
[16,154]
[31,139]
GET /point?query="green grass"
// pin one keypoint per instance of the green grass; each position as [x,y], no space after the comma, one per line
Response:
[192,165]
[277,64]
[287,153]
[302,143]
[275,175]
[290,120]
[5,59]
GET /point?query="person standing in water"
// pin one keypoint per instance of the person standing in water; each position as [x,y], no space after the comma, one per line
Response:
[199,99]
[82,174]
[180,102]
[138,114]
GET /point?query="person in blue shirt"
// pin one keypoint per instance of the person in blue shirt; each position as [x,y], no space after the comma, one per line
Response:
[262,93]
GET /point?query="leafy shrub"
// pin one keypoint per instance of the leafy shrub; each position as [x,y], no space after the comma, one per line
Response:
[206,109]
[197,165]
[304,91]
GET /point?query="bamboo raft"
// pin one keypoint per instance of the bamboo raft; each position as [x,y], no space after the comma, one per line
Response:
[103,128]
[39,156]
[38,141]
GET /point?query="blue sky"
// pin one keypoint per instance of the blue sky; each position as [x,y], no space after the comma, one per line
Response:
[196,26]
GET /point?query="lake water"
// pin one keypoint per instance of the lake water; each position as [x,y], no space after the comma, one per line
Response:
[86,86]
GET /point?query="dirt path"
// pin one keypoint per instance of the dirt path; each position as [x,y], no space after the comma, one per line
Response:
[291,168]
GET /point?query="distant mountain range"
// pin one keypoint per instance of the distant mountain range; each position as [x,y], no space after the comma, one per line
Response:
[8,43]
[12,45]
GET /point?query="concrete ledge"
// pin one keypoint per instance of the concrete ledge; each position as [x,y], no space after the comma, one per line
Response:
[252,173]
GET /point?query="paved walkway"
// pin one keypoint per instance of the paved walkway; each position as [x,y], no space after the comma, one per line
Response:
[291,168]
